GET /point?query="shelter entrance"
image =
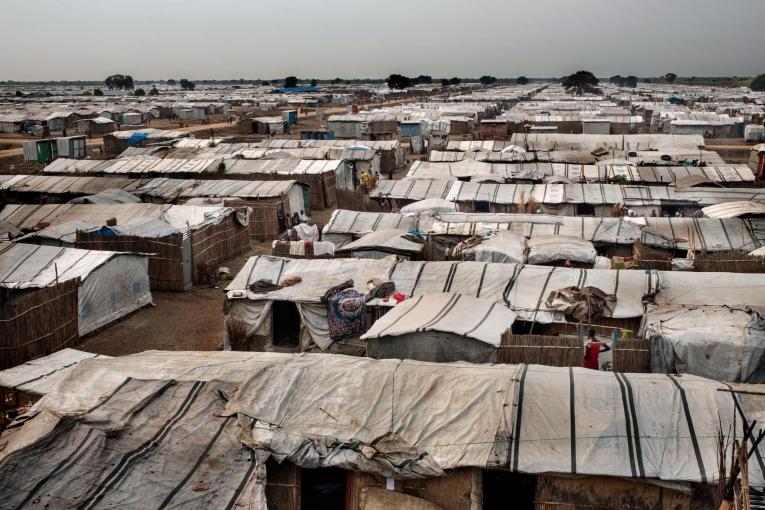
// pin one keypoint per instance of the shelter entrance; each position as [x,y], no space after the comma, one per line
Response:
[322,489]
[286,324]
[502,490]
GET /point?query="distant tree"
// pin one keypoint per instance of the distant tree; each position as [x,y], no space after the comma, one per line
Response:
[522,80]
[98,92]
[337,81]
[172,82]
[424,78]
[399,81]
[670,77]
[581,82]
[265,83]
[290,81]
[758,84]
[154,91]
[19,93]
[455,81]
[314,82]
[139,92]
[186,84]
[617,80]
[444,82]
[631,81]
[487,80]
[119,82]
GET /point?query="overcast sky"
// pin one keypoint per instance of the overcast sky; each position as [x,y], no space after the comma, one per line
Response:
[205,39]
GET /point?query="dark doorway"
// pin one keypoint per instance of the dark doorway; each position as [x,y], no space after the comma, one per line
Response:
[482,206]
[585,210]
[503,490]
[322,489]
[286,324]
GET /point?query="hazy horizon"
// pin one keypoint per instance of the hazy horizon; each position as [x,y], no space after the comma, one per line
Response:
[202,40]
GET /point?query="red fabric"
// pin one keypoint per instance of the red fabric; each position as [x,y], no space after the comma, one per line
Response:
[399,297]
[591,357]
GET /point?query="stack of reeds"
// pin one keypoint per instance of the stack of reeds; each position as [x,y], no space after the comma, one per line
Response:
[633,356]
[165,255]
[556,351]
[37,322]
[648,257]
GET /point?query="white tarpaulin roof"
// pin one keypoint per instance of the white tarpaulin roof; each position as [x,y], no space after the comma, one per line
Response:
[734,209]
[359,223]
[466,316]
[39,375]
[25,266]
[504,246]
[523,288]
[547,249]
[720,342]
[195,429]
[386,240]
[433,205]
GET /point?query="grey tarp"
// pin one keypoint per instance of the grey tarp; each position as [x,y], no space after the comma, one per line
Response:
[156,427]
[548,249]
[502,247]
[466,316]
[382,242]
[722,343]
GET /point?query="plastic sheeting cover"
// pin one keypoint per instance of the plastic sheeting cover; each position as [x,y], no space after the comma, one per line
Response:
[450,313]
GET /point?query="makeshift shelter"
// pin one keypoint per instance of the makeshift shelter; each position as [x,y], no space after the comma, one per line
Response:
[552,249]
[274,204]
[345,226]
[382,243]
[440,328]
[42,189]
[448,434]
[52,296]
[719,342]
[429,205]
[500,247]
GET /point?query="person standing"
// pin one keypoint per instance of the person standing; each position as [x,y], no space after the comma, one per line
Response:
[592,350]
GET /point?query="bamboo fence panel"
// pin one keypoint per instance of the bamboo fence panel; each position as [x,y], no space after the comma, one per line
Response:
[217,243]
[556,351]
[37,322]
[632,356]
[264,220]
[165,255]
[358,201]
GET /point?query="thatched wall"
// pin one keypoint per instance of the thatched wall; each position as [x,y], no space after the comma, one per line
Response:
[37,322]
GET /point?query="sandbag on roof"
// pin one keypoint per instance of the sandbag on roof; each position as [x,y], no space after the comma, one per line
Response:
[722,343]
[462,315]
[392,418]
[501,247]
[548,249]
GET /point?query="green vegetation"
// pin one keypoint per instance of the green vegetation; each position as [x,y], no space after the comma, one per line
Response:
[758,84]
[119,82]
[581,82]
[186,84]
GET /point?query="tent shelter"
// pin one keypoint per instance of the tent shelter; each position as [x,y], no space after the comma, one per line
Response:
[444,433]
[440,328]
[44,280]
[720,342]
